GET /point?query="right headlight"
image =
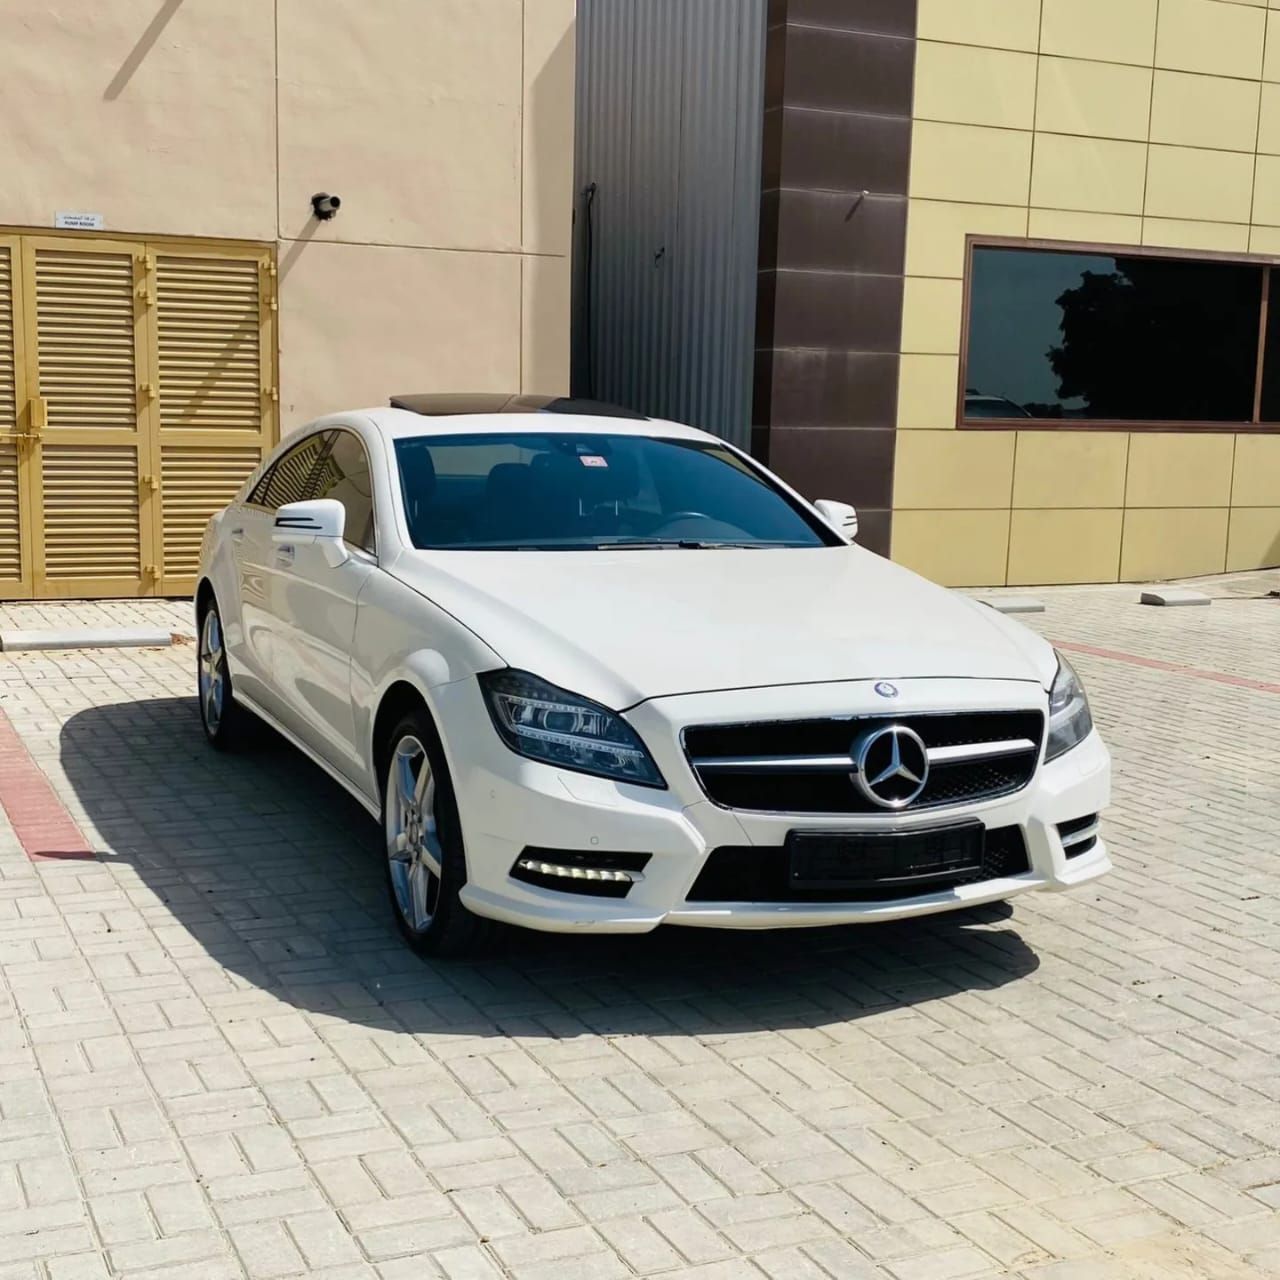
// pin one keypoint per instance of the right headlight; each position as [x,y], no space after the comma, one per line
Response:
[1070,721]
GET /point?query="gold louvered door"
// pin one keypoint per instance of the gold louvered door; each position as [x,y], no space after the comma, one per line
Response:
[15,432]
[92,406]
[213,335]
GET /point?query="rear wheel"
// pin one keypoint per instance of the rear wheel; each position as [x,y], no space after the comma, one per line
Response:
[222,719]
[426,866]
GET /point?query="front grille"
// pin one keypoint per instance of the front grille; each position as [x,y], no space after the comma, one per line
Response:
[792,787]
[752,873]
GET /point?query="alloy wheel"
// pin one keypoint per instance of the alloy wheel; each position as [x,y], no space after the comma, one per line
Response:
[414,851]
[213,682]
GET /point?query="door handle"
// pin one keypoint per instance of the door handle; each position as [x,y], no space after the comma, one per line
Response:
[237,535]
[284,554]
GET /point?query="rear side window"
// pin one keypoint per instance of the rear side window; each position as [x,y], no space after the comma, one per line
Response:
[292,479]
[343,474]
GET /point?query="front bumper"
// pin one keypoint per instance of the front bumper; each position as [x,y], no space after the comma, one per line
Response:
[508,804]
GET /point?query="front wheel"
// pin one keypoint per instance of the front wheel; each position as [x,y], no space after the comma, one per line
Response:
[426,867]
[219,714]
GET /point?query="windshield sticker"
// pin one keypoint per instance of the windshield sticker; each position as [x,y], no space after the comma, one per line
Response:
[592,460]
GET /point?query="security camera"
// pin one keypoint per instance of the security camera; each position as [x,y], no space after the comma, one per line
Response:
[325,205]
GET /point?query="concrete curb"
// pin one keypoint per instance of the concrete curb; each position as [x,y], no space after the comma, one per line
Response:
[1171,596]
[86,638]
[1012,604]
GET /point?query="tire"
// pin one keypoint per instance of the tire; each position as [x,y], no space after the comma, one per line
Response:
[222,718]
[422,832]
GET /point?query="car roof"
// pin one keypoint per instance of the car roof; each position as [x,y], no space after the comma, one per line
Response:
[399,424]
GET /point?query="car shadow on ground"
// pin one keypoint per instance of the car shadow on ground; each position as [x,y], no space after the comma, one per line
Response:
[273,873]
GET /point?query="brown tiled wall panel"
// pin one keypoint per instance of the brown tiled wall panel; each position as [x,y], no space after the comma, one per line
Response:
[837,148]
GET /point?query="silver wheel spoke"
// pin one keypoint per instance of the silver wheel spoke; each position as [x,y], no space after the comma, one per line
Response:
[419,884]
[406,783]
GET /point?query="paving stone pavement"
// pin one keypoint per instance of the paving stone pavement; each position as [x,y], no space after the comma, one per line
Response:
[216,1060]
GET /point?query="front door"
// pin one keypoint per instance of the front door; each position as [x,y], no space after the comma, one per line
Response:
[315,594]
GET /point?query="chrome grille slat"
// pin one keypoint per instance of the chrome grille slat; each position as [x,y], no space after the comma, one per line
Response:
[954,754]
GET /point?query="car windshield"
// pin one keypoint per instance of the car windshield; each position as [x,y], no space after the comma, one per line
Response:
[562,491]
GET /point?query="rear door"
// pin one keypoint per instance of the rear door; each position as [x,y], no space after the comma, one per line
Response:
[315,595]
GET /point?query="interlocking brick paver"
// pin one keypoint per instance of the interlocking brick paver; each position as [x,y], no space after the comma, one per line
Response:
[217,1059]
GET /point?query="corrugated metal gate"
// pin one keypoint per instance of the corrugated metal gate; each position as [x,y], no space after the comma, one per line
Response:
[669,119]
[137,390]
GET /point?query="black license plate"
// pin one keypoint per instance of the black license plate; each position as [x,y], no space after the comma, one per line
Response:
[860,860]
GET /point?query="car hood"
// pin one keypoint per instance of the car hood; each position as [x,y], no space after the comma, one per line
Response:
[625,626]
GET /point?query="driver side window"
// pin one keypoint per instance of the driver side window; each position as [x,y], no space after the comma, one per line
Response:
[291,479]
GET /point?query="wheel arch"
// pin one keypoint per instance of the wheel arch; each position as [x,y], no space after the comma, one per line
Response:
[400,697]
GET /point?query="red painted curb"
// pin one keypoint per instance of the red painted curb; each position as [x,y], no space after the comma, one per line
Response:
[1158,664]
[39,819]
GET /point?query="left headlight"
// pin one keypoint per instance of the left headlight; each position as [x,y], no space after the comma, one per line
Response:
[545,723]
[1070,720]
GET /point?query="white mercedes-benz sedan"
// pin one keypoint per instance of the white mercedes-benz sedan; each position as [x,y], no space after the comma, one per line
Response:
[598,672]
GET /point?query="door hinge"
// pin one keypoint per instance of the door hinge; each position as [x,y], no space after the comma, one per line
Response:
[145,265]
[37,417]
[147,390]
[150,571]
[151,482]
[271,393]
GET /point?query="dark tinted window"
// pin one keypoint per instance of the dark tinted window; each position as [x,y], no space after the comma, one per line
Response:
[343,475]
[1058,334]
[567,491]
[291,477]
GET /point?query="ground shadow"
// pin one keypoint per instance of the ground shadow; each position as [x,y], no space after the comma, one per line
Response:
[273,872]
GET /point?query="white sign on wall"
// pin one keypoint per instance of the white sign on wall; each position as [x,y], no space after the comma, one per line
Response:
[65,220]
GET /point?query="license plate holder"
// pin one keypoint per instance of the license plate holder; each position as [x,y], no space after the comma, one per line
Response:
[879,859]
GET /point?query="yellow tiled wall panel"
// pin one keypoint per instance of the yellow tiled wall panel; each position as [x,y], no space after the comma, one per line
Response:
[1204,111]
[1264,240]
[1156,123]
[993,24]
[1105,30]
[956,469]
[1090,174]
[1097,99]
[1179,469]
[1253,538]
[1191,182]
[927,392]
[967,85]
[1173,543]
[1266,191]
[1177,233]
[1271,50]
[1269,117]
[955,548]
[1090,228]
[965,162]
[1206,36]
[931,315]
[1256,474]
[1064,546]
[1070,469]
[936,231]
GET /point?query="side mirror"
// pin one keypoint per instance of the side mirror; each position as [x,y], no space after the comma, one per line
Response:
[322,521]
[839,515]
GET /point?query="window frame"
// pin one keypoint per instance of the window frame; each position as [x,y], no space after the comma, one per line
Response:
[336,433]
[1267,262]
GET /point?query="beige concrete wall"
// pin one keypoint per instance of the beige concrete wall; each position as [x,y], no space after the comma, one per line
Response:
[1108,121]
[445,126]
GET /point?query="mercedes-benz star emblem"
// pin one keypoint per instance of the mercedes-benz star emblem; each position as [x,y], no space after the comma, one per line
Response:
[891,766]
[886,690]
